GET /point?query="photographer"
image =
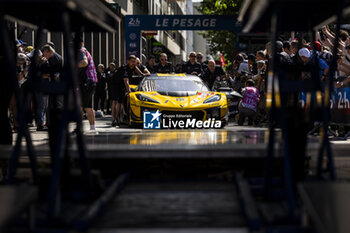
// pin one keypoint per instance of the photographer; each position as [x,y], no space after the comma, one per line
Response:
[260,77]
[241,73]
[249,104]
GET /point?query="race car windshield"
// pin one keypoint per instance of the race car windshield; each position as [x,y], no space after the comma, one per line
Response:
[173,86]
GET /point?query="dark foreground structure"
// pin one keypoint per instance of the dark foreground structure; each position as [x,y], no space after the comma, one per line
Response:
[167,181]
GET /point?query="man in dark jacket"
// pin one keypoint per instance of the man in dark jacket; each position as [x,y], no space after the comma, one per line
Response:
[164,66]
[191,66]
[212,73]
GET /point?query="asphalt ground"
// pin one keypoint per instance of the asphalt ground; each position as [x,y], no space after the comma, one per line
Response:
[251,138]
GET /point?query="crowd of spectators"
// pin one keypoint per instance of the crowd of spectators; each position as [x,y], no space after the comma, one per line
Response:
[102,88]
[45,63]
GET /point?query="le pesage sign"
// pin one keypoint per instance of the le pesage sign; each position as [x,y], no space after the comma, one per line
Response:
[135,23]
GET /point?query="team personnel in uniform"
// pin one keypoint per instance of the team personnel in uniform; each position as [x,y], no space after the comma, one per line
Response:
[151,64]
[142,68]
[191,66]
[122,86]
[100,93]
[113,91]
[164,66]
[199,58]
[212,73]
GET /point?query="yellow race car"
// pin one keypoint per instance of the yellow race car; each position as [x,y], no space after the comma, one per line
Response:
[174,101]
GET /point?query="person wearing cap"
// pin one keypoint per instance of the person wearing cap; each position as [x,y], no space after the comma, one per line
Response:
[260,55]
[29,49]
[19,46]
[36,57]
[305,56]
[51,44]
[248,105]
[56,62]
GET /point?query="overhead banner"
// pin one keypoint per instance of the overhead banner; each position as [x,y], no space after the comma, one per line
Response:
[340,106]
[134,24]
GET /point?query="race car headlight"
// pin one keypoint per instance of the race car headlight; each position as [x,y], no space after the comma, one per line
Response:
[214,98]
[146,98]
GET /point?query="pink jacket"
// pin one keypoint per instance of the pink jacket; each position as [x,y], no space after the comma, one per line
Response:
[251,98]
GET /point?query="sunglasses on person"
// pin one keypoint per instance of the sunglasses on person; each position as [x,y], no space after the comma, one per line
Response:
[199,57]
[163,59]
[192,55]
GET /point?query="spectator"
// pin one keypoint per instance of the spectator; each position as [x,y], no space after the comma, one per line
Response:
[29,49]
[305,56]
[191,66]
[260,77]
[20,47]
[253,69]
[249,103]
[344,35]
[260,55]
[36,74]
[54,68]
[51,72]
[21,62]
[286,48]
[88,80]
[101,87]
[243,67]
[164,66]
[278,46]
[51,44]
[294,48]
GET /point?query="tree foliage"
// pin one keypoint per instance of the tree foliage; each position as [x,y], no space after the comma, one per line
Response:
[223,41]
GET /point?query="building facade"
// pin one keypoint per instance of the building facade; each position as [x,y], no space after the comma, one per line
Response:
[108,47]
[200,44]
